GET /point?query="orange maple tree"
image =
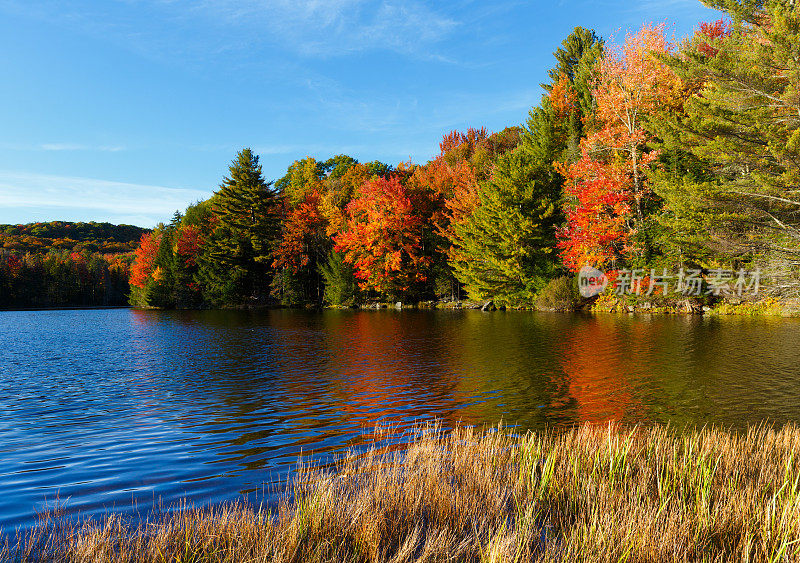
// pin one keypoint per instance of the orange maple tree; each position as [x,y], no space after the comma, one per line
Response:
[457,145]
[454,187]
[384,236]
[632,83]
[303,234]
[452,179]
[563,97]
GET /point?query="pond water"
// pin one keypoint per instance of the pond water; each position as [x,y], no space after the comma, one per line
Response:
[116,409]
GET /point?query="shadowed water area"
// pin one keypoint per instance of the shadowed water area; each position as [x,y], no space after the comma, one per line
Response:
[115,409]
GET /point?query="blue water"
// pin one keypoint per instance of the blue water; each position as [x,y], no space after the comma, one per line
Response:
[124,409]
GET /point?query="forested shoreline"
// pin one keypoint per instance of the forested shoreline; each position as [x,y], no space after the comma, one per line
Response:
[648,155]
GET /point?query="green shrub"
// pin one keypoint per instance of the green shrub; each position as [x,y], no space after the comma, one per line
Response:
[560,294]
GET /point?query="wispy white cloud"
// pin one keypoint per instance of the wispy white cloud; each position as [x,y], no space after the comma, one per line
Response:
[79,147]
[380,113]
[330,28]
[42,193]
[60,147]
[191,29]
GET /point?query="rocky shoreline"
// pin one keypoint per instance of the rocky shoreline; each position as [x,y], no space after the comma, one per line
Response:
[619,305]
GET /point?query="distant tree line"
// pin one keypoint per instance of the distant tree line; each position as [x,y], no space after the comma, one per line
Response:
[647,155]
[63,264]
[63,279]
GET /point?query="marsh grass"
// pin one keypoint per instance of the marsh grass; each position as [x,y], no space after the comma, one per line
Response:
[593,493]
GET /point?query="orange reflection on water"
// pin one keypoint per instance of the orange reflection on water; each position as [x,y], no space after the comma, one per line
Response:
[598,360]
[373,377]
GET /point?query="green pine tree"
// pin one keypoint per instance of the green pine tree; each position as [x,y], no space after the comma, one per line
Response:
[576,59]
[340,283]
[234,265]
[508,244]
[161,290]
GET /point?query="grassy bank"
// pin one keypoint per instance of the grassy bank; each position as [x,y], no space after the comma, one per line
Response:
[595,493]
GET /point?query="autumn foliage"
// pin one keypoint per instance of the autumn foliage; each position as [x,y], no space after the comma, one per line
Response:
[711,32]
[103,238]
[303,232]
[563,97]
[607,187]
[143,265]
[189,241]
[384,236]
[596,219]
[454,187]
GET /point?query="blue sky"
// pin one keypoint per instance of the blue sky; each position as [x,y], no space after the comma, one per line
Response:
[125,110]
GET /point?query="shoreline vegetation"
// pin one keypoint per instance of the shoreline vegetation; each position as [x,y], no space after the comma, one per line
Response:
[590,493]
[605,304]
[767,308]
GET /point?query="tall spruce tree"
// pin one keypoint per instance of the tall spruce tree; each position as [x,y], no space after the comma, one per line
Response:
[506,249]
[234,265]
[576,62]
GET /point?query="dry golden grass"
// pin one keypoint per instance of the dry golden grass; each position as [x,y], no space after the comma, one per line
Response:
[594,493]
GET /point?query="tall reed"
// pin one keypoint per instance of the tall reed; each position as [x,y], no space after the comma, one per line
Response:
[592,493]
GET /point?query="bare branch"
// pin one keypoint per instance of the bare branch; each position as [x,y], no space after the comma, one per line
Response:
[765,196]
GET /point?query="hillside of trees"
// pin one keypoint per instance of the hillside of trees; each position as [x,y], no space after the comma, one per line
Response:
[62,264]
[104,238]
[646,154]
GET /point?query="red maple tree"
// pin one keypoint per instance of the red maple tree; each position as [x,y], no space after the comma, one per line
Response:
[709,33]
[142,267]
[608,184]
[188,242]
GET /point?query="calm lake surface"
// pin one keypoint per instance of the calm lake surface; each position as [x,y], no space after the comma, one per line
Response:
[110,409]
